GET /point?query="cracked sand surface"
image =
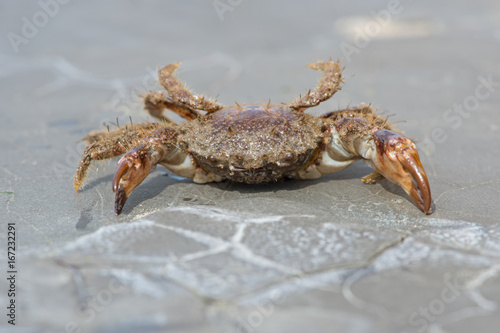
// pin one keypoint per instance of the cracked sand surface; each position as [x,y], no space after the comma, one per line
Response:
[327,255]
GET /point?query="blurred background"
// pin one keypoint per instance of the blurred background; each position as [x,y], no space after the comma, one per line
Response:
[324,255]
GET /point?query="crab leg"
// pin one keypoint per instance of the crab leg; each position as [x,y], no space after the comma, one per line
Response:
[328,85]
[156,102]
[180,94]
[362,111]
[391,154]
[160,147]
[108,144]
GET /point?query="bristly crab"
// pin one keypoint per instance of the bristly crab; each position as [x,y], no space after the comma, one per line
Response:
[255,143]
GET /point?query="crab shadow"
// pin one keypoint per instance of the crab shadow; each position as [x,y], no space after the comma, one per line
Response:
[354,172]
[152,187]
[157,182]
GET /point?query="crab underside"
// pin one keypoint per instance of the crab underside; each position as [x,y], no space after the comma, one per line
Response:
[255,143]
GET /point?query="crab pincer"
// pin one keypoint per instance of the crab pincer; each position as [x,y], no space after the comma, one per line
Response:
[132,169]
[397,159]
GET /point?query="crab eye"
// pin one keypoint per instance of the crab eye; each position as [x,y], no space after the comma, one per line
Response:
[212,158]
[289,157]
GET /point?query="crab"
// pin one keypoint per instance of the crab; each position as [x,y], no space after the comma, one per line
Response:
[255,143]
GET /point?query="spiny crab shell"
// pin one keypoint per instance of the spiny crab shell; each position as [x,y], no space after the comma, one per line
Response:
[253,143]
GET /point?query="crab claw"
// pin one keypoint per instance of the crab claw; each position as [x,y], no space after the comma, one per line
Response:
[397,160]
[132,169]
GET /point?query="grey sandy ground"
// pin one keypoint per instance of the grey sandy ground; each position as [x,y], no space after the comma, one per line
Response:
[319,256]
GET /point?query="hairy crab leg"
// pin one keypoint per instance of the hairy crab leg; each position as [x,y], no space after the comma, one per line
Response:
[362,111]
[327,86]
[156,102]
[180,94]
[158,148]
[391,154]
[108,144]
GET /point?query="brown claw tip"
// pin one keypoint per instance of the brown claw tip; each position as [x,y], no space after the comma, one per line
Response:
[120,170]
[420,198]
[399,162]
[121,196]
[120,199]
[419,191]
[132,169]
